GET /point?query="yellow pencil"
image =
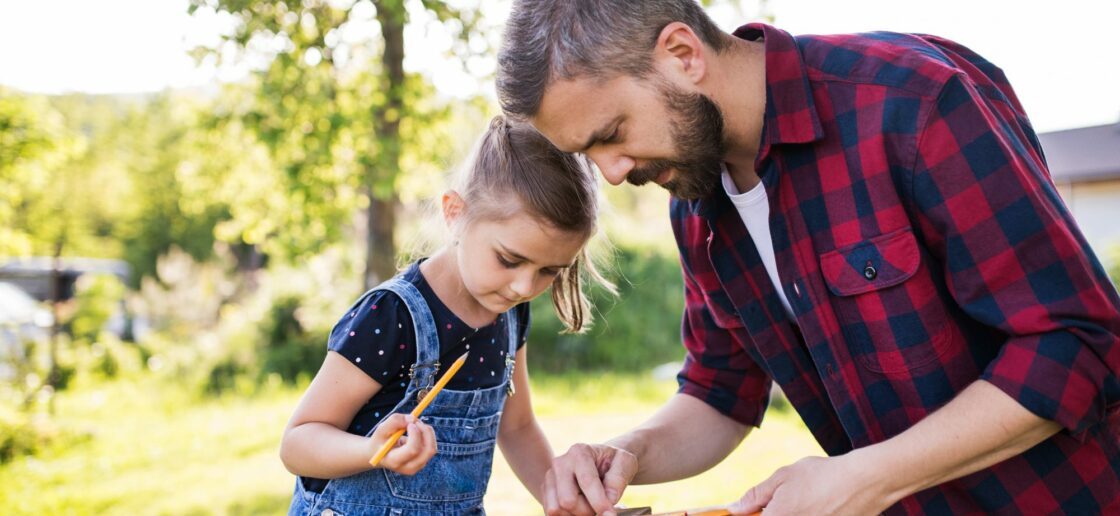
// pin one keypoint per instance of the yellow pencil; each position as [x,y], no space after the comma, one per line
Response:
[419,408]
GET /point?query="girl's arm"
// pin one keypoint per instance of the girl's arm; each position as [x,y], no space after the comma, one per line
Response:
[521,439]
[316,443]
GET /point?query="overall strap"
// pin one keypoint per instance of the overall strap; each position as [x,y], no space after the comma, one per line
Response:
[511,343]
[422,374]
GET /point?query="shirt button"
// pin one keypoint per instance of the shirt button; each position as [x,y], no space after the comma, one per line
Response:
[870,273]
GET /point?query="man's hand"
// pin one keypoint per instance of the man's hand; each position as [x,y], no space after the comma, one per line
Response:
[816,485]
[588,479]
[982,426]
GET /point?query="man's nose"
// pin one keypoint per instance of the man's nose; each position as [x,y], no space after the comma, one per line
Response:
[614,167]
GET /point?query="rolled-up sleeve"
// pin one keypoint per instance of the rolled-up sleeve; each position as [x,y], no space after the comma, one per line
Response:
[1014,258]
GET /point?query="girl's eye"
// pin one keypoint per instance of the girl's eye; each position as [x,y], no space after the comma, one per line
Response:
[506,263]
[550,272]
[613,138]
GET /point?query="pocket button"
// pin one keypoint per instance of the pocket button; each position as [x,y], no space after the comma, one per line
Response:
[870,273]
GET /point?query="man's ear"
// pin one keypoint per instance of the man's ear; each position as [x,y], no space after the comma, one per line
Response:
[453,207]
[680,53]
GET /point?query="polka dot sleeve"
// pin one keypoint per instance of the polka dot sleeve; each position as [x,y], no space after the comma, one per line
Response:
[377,336]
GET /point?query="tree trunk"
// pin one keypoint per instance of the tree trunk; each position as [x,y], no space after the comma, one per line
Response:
[380,247]
[381,218]
[53,381]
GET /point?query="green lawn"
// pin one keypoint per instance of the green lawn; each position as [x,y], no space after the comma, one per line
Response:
[146,448]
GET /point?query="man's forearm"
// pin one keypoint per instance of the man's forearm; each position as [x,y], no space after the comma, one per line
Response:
[684,438]
[981,427]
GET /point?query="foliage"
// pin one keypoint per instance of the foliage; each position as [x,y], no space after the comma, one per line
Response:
[25,135]
[338,114]
[21,435]
[638,329]
[287,347]
[97,298]
[1115,272]
[173,164]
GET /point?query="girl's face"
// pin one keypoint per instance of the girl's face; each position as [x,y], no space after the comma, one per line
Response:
[506,262]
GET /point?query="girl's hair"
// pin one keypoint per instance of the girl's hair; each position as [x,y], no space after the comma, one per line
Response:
[513,162]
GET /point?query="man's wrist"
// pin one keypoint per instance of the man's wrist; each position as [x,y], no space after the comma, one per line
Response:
[887,477]
[632,442]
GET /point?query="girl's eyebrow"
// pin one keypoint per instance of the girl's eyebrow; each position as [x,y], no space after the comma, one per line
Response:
[517,256]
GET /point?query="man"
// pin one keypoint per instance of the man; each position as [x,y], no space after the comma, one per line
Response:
[866,220]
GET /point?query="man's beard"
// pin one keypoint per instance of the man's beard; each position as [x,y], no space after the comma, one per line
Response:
[697,128]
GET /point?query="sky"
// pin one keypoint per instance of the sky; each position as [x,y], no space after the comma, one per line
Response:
[1063,58]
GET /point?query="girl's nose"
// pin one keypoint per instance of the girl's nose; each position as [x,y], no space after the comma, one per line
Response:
[522,286]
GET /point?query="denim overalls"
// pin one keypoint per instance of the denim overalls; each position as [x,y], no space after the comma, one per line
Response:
[466,427]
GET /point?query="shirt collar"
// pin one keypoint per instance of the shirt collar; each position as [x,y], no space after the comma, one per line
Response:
[791,115]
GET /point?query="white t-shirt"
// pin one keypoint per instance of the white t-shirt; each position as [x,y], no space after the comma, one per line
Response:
[754,209]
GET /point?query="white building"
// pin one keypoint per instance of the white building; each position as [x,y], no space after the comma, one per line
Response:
[1085,165]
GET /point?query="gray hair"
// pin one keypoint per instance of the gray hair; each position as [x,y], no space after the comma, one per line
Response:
[546,40]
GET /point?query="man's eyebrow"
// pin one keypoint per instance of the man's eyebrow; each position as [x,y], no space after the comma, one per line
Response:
[597,136]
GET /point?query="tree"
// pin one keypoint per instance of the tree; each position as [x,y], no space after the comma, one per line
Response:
[336,109]
[25,139]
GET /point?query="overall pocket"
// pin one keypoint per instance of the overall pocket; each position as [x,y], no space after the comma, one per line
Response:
[456,473]
[887,303]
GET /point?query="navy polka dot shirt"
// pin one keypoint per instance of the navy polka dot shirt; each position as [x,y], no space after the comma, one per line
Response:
[378,337]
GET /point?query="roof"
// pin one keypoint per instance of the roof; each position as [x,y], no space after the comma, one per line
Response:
[1083,154]
[34,275]
[45,264]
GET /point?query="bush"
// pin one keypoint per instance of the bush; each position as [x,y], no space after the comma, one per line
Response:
[98,298]
[223,376]
[287,347]
[17,440]
[22,435]
[638,329]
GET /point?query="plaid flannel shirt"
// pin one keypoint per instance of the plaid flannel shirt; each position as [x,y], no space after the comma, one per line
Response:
[922,245]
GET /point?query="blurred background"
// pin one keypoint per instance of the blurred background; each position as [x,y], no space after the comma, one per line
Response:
[192,191]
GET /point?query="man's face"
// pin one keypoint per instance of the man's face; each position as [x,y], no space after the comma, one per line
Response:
[638,130]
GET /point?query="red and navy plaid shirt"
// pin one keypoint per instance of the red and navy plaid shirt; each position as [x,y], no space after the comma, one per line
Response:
[922,246]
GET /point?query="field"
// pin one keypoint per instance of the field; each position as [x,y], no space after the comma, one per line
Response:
[146,448]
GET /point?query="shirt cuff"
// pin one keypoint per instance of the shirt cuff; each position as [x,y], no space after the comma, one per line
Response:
[1056,376]
[725,402]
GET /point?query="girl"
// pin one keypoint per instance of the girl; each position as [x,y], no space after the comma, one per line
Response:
[520,223]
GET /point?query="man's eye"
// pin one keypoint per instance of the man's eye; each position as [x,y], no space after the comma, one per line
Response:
[613,138]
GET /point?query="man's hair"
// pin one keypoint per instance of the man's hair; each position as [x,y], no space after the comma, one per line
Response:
[546,40]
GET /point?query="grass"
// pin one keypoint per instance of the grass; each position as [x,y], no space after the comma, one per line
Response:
[147,447]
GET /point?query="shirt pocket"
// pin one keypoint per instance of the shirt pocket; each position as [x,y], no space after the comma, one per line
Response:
[888,306]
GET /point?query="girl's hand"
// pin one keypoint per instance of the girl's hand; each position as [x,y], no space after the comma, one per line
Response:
[412,452]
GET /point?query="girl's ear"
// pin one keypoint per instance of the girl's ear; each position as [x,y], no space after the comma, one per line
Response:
[453,208]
